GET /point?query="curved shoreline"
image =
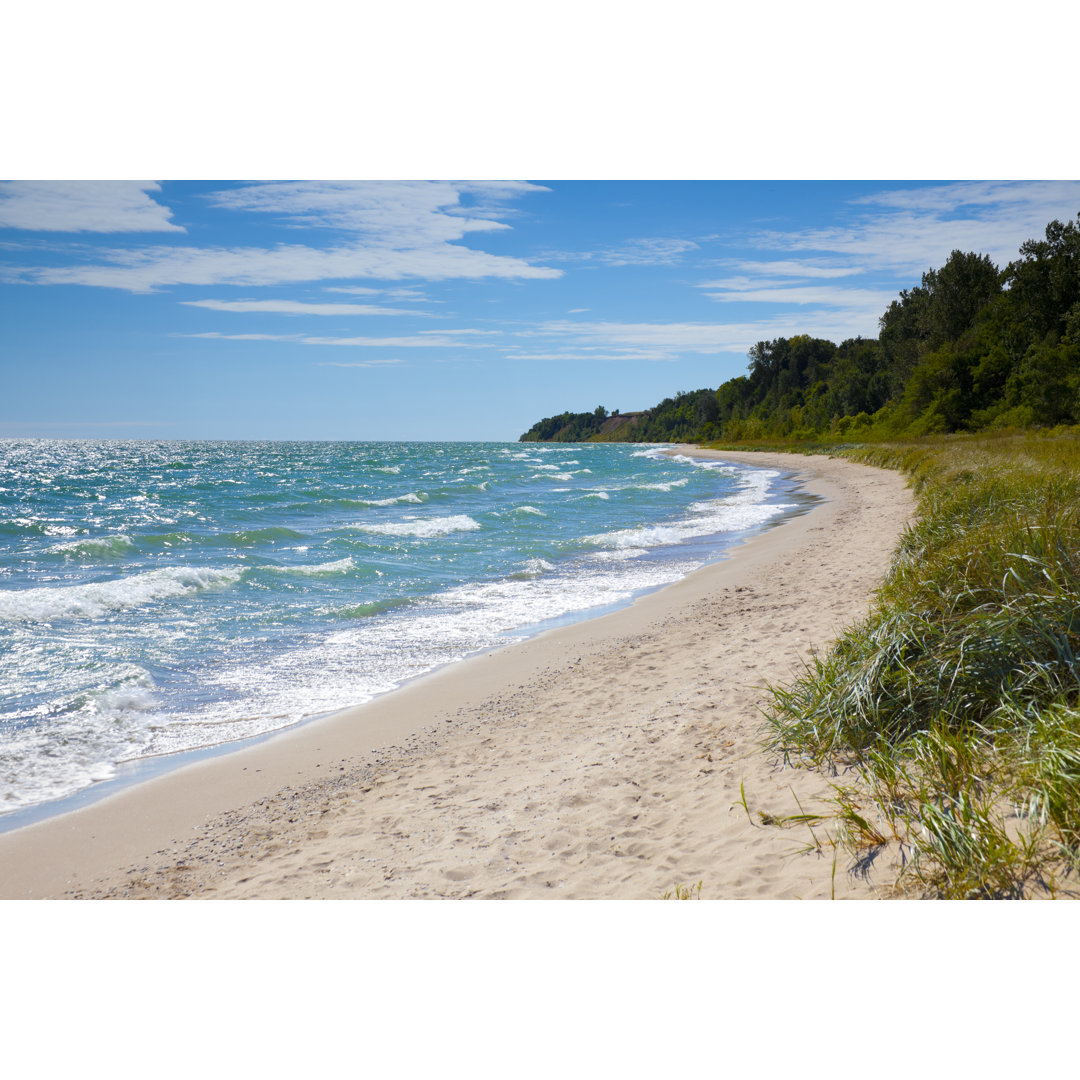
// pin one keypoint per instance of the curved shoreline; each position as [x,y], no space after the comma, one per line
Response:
[436,789]
[138,770]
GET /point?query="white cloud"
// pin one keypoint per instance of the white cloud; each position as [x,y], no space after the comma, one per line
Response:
[907,231]
[669,341]
[431,341]
[642,251]
[1049,195]
[83,206]
[296,307]
[787,268]
[436,339]
[244,337]
[415,213]
[656,251]
[397,230]
[862,299]
[393,294]
[148,269]
[359,363]
[596,353]
[464,330]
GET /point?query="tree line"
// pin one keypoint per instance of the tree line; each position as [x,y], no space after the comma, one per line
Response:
[972,347]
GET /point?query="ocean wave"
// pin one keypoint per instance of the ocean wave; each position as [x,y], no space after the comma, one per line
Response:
[532,569]
[719,516]
[528,510]
[666,486]
[339,566]
[36,527]
[410,497]
[101,597]
[366,611]
[240,538]
[165,540]
[421,527]
[103,547]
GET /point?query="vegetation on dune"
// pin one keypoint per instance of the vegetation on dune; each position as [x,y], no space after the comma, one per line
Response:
[956,703]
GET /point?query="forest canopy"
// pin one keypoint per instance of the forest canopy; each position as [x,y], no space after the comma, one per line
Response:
[972,347]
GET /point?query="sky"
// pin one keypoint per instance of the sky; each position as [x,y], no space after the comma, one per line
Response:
[407,310]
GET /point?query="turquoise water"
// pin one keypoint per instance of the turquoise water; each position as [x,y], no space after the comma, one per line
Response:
[157,597]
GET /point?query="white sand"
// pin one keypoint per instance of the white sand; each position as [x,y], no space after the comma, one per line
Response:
[600,760]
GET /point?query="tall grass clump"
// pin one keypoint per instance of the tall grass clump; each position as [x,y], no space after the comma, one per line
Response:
[957,701]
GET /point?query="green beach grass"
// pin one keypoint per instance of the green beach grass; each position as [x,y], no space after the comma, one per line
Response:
[951,715]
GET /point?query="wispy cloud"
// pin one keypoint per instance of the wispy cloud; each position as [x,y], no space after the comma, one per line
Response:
[464,330]
[244,337]
[297,307]
[909,230]
[780,269]
[655,251]
[641,251]
[425,339]
[825,295]
[433,340]
[395,230]
[100,206]
[359,363]
[415,213]
[670,341]
[391,294]
[149,269]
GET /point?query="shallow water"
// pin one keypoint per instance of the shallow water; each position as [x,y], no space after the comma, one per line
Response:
[156,597]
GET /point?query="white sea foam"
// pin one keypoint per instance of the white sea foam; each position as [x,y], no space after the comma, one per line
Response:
[84,744]
[533,568]
[102,546]
[100,597]
[667,486]
[411,497]
[421,527]
[744,509]
[528,510]
[339,566]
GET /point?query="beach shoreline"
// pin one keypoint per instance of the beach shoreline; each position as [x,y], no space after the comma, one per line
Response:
[472,780]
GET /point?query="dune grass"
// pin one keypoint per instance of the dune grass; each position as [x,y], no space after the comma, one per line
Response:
[956,703]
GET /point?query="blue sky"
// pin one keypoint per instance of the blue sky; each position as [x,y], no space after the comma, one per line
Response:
[444,310]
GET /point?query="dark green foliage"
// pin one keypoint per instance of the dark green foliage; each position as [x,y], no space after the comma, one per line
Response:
[566,427]
[968,349]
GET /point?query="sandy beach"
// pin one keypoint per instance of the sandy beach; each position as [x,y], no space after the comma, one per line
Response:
[604,759]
